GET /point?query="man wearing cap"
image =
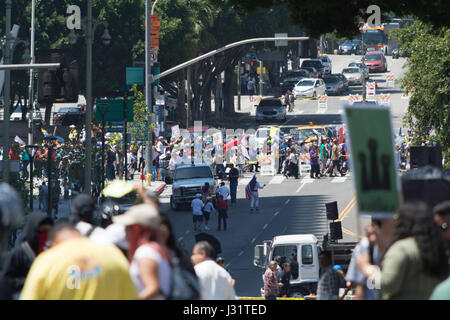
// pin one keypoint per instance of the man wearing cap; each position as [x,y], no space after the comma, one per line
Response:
[197,213]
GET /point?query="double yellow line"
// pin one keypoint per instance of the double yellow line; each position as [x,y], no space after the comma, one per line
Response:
[347,209]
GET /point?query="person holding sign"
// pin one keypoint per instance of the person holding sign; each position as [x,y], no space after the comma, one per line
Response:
[251,192]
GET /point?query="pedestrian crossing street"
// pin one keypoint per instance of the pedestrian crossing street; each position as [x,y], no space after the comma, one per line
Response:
[279,179]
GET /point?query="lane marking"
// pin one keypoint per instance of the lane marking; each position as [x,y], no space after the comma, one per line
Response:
[300,188]
[276,213]
[253,240]
[348,211]
[244,181]
[346,207]
[180,238]
[277,180]
[265,226]
[338,179]
[240,253]
[187,232]
[287,201]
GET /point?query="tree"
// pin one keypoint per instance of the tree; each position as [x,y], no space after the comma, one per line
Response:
[428,82]
[323,16]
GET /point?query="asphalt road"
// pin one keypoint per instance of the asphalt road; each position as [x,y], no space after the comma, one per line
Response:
[290,206]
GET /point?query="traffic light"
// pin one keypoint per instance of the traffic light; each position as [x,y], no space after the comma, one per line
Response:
[60,85]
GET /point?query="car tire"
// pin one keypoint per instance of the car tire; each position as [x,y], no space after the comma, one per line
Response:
[173,205]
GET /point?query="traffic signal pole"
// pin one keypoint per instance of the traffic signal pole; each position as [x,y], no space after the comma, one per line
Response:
[148,86]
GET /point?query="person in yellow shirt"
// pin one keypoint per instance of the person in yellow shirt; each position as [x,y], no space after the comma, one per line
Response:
[76,268]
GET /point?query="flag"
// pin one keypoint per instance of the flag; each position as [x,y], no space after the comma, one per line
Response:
[248,192]
[45,133]
[19,141]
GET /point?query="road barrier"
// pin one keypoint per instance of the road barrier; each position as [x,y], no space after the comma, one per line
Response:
[371,90]
[322,103]
[385,99]
[304,163]
[390,80]
[353,98]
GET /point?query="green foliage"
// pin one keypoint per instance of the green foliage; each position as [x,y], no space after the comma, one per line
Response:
[141,115]
[428,81]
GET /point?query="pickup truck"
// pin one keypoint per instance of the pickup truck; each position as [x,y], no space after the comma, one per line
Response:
[302,251]
[188,180]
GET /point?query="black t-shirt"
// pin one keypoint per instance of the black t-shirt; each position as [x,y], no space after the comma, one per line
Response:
[284,290]
[234,172]
[110,157]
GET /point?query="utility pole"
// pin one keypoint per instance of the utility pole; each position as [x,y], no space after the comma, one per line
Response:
[88,124]
[148,86]
[7,93]
[189,94]
[30,87]
[261,81]
[239,84]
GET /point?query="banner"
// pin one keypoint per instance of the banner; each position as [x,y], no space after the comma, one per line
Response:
[373,161]
[176,131]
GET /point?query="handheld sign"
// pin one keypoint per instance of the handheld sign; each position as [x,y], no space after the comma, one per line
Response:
[372,155]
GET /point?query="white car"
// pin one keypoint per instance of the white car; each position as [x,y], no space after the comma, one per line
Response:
[362,66]
[354,75]
[310,87]
[271,109]
[326,61]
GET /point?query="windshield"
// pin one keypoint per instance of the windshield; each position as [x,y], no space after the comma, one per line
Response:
[294,74]
[68,110]
[193,173]
[350,70]
[372,57]
[347,43]
[324,59]
[307,83]
[373,36]
[330,80]
[307,133]
[355,64]
[270,103]
[309,63]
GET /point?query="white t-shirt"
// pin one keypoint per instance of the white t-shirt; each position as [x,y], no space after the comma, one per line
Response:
[164,270]
[293,158]
[215,281]
[209,207]
[160,147]
[98,235]
[197,205]
[224,191]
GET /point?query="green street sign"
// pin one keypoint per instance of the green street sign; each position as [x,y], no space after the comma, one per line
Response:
[135,75]
[113,110]
[374,164]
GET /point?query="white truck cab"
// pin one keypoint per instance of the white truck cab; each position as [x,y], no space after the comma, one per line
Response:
[302,251]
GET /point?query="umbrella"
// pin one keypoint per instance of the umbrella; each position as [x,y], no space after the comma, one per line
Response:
[59,139]
[211,239]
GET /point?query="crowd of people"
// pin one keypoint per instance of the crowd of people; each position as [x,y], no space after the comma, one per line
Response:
[134,257]
[405,258]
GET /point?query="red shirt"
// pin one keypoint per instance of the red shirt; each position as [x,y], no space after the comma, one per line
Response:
[270,283]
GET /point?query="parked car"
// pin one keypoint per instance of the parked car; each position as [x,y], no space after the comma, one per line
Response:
[354,75]
[81,106]
[271,109]
[290,78]
[352,46]
[67,116]
[310,88]
[343,78]
[376,61]
[316,63]
[362,66]
[334,85]
[395,53]
[313,73]
[326,61]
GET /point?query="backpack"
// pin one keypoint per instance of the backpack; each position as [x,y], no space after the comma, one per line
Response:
[223,204]
[184,285]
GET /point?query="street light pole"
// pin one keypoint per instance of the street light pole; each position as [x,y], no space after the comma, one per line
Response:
[30,88]
[88,125]
[7,93]
[148,85]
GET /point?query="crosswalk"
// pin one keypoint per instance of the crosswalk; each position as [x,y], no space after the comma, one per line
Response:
[279,179]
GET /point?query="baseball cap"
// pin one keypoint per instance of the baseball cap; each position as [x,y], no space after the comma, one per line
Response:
[142,214]
[198,195]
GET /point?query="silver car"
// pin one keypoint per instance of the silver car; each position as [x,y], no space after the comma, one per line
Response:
[271,109]
[326,61]
[354,75]
[361,66]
